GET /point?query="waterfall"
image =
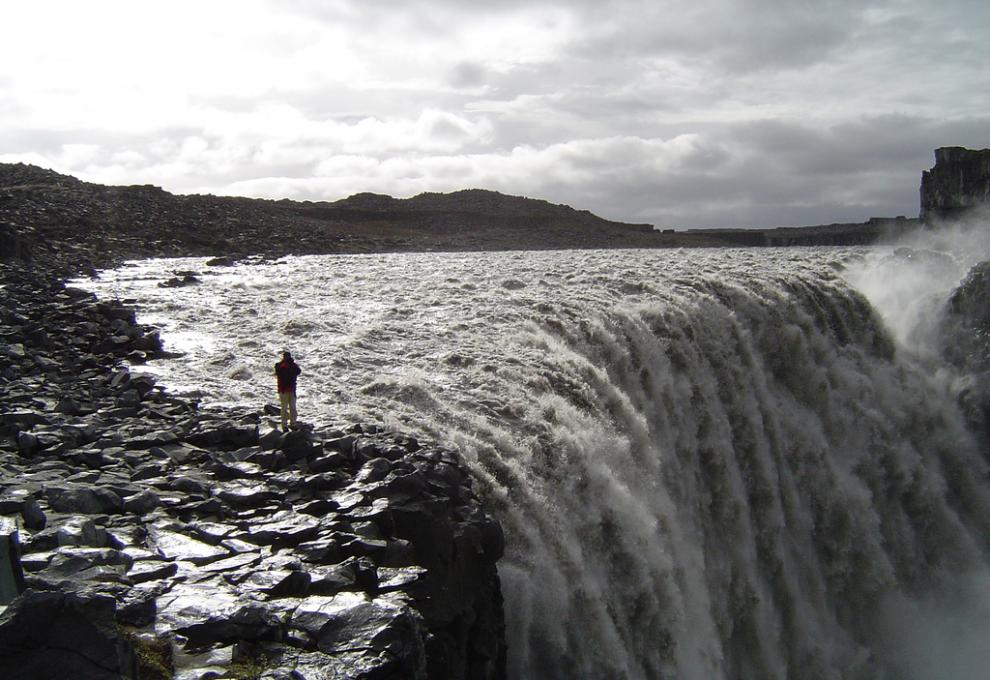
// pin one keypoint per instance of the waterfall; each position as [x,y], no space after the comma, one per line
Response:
[731,487]
[708,465]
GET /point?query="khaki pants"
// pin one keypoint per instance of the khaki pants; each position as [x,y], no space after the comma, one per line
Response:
[288,401]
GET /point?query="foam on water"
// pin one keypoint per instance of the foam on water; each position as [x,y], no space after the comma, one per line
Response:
[709,464]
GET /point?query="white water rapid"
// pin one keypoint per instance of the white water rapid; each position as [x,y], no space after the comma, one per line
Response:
[723,464]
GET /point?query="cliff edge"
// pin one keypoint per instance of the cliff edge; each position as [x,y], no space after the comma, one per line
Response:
[958,183]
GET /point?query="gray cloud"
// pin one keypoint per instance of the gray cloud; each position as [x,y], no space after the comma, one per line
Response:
[703,113]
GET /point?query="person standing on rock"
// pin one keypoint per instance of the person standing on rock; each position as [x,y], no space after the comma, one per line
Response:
[286,372]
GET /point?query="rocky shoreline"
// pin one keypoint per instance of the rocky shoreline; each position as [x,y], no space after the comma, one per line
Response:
[162,540]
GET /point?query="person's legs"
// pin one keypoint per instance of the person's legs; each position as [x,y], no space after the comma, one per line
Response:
[285,400]
[292,409]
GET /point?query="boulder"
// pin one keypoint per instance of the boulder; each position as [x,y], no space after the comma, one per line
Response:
[82,531]
[142,502]
[34,517]
[297,444]
[55,635]
[207,613]
[86,500]
[174,545]
[385,632]
[227,436]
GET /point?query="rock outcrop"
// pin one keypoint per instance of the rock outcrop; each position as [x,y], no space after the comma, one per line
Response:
[162,540]
[966,344]
[958,183]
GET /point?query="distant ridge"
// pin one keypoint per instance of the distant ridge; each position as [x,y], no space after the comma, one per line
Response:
[44,210]
[44,207]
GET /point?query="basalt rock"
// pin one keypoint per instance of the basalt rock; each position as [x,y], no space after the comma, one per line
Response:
[957,184]
[345,549]
[53,635]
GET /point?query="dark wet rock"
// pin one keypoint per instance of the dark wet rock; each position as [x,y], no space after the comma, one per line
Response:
[179,282]
[224,471]
[180,454]
[173,544]
[344,444]
[353,623]
[322,551]
[296,444]
[270,460]
[150,343]
[225,436]
[334,578]
[82,531]
[329,462]
[208,614]
[397,578]
[54,635]
[213,533]
[275,584]
[323,481]
[374,470]
[247,495]
[151,570]
[142,502]
[284,529]
[34,516]
[270,439]
[163,441]
[28,444]
[79,499]
[238,563]
[136,607]
[73,562]
[191,486]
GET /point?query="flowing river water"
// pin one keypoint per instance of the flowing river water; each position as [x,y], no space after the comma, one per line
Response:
[709,464]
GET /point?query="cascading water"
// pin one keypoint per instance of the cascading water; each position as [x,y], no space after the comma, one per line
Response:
[709,464]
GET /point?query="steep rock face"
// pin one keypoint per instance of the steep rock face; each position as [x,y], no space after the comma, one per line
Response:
[966,343]
[959,182]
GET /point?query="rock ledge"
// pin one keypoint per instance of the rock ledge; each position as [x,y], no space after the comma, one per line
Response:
[159,539]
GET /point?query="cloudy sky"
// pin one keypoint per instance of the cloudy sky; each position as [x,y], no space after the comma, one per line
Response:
[686,113]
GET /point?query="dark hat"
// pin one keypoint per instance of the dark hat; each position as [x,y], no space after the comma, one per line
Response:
[286,355]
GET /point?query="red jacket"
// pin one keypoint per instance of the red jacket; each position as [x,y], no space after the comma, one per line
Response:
[286,372]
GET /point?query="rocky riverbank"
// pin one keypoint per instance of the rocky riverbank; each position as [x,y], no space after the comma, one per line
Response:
[163,540]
